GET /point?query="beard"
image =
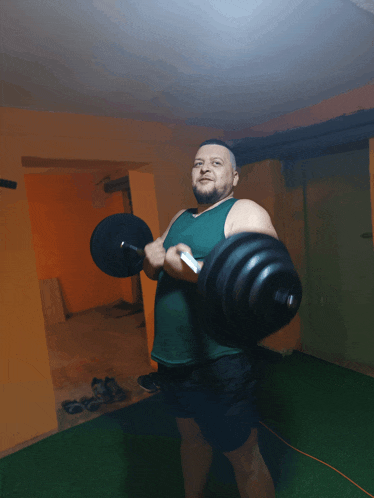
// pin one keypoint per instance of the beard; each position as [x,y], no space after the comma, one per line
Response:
[210,197]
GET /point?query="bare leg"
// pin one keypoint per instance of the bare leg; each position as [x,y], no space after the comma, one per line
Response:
[196,458]
[196,462]
[252,475]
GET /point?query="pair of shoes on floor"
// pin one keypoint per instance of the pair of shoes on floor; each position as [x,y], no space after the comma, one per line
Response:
[150,382]
[107,391]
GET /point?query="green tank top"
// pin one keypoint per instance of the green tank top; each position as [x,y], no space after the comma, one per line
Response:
[179,340]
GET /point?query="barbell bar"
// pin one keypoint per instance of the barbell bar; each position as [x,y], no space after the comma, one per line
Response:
[185,256]
[248,283]
[281,295]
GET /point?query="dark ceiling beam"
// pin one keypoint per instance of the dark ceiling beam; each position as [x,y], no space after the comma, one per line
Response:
[347,132]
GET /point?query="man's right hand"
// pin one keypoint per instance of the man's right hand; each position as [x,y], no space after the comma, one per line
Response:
[154,257]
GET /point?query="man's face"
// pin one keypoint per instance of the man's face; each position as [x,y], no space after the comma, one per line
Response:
[213,163]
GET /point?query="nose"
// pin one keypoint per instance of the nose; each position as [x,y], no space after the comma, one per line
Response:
[204,168]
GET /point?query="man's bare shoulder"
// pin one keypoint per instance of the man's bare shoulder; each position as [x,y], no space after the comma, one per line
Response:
[247,207]
[177,215]
[248,216]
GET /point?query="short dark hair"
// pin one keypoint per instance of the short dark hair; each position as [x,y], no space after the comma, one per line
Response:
[216,141]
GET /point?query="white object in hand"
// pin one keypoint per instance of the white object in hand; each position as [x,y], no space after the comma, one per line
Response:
[191,262]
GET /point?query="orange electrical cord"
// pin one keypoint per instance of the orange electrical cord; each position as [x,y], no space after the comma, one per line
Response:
[317,460]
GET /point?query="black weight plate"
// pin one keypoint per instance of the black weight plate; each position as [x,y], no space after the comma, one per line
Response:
[265,250]
[106,239]
[260,316]
[255,265]
[277,277]
[242,321]
[245,259]
[216,258]
[230,268]
[238,256]
[259,306]
[213,317]
[236,301]
[211,313]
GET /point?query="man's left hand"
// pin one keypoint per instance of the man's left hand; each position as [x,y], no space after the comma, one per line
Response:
[177,268]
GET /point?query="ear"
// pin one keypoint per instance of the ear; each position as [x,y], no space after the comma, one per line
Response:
[236,179]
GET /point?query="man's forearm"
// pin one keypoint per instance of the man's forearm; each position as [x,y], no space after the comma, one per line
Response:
[184,273]
[152,273]
[188,274]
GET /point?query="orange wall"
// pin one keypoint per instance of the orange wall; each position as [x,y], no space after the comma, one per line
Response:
[143,195]
[27,390]
[28,404]
[62,220]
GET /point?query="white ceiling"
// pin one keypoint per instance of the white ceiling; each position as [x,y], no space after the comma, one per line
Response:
[228,64]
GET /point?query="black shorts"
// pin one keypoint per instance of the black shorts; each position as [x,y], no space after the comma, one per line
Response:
[218,395]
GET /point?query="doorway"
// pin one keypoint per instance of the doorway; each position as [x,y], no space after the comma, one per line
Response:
[103,331]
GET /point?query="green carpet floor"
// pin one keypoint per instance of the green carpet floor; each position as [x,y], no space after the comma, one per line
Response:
[321,409]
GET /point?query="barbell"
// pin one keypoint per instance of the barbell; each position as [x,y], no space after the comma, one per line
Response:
[248,283]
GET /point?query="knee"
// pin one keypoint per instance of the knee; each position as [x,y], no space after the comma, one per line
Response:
[195,444]
[191,433]
[248,451]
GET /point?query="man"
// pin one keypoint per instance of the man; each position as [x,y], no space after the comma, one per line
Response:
[208,387]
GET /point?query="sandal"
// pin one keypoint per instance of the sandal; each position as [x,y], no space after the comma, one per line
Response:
[72,407]
[102,394]
[118,394]
[91,404]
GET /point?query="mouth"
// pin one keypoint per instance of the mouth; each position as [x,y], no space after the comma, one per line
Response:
[204,180]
